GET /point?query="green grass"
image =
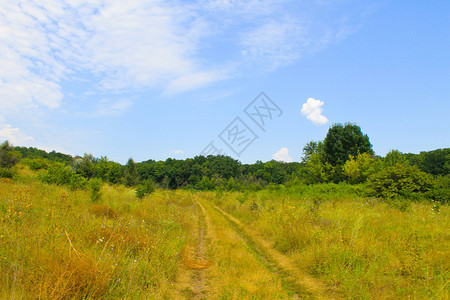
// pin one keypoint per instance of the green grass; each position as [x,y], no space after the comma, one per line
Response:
[363,247]
[55,243]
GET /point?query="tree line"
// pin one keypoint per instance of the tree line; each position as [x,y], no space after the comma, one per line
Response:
[344,156]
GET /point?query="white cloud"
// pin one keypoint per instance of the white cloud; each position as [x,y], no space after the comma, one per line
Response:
[282,155]
[120,45]
[14,135]
[114,46]
[178,152]
[312,109]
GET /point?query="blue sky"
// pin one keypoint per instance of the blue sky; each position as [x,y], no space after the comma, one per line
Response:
[158,79]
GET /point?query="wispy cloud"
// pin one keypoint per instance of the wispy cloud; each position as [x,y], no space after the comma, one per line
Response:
[312,109]
[273,43]
[14,135]
[282,155]
[178,152]
[121,46]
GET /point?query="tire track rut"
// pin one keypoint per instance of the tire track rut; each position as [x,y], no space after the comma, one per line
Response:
[303,284]
[193,280]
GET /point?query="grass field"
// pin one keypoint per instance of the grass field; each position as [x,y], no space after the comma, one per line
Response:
[56,243]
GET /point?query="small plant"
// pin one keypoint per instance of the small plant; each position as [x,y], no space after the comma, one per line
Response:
[7,172]
[95,185]
[145,188]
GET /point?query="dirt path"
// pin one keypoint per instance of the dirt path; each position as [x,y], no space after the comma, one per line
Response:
[193,278]
[305,285]
[223,259]
[239,270]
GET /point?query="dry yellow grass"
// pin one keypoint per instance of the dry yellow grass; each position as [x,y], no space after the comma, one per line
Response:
[361,248]
[56,244]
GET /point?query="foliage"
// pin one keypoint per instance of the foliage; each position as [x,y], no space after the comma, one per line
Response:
[95,185]
[36,164]
[311,148]
[440,191]
[84,166]
[8,157]
[345,140]
[53,156]
[400,179]
[436,162]
[316,170]
[130,173]
[145,188]
[394,157]
[358,169]
[8,172]
[61,174]
[107,170]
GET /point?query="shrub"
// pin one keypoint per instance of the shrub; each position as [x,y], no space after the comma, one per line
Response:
[441,189]
[36,163]
[7,172]
[145,188]
[60,174]
[358,169]
[400,179]
[8,157]
[95,185]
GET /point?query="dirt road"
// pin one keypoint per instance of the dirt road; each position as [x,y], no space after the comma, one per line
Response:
[224,259]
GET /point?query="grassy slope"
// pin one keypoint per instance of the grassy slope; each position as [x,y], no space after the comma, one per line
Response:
[56,243]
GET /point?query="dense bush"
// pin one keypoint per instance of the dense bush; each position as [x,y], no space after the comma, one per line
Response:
[95,185]
[441,189]
[8,172]
[60,174]
[8,157]
[36,163]
[145,188]
[399,180]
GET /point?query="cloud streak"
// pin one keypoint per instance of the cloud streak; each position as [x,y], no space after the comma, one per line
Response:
[116,47]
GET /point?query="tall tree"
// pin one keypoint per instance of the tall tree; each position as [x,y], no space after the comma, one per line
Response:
[8,157]
[345,140]
[311,148]
[131,173]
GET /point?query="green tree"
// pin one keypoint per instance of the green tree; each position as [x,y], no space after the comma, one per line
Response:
[357,170]
[84,166]
[436,162]
[145,188]
[311,148]
[8,157]
[316,170]
[131,173]
[108,170]
[400,179]
[345,140]
[394,157]
[95,185]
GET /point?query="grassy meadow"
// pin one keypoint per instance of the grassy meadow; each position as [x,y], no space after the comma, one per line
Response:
[363,248]
[57,243]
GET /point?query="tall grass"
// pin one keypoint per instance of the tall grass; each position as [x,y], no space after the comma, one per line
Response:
[56,243]
[362,247]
